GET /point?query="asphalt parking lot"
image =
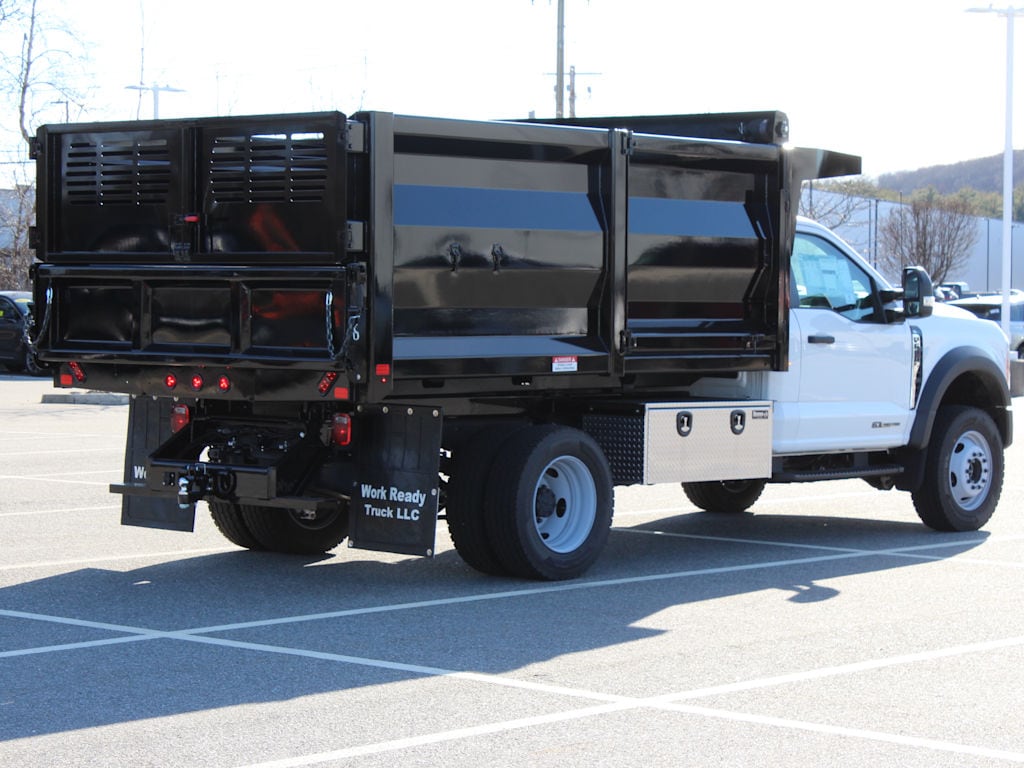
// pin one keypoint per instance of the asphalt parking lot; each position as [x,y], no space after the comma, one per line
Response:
[827,628]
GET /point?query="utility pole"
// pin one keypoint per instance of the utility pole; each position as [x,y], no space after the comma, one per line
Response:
[156,90]
[560,65]
[1009,13]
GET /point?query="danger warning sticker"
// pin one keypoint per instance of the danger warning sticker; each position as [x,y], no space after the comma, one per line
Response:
[564,364]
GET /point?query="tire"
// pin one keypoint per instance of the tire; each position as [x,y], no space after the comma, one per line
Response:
[726,496]
[228,519]
[284,530]
[963,475]
[467,490]
[31,365]
[549,507]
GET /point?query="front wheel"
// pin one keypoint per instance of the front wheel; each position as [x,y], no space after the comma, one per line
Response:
[727,496]
[963,474]
[549,507]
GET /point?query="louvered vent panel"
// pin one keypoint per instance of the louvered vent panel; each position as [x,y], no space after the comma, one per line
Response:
[269,168]
[117,172]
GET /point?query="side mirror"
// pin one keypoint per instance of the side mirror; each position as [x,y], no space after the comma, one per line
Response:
[918,292]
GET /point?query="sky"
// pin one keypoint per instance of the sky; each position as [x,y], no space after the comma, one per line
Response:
[902,83]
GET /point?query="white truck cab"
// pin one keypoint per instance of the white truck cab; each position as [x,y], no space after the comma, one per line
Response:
[911,395]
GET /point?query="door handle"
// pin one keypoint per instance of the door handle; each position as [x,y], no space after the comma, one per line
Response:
[821,339]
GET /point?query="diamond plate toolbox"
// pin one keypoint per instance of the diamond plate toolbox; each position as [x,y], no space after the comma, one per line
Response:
[696,442]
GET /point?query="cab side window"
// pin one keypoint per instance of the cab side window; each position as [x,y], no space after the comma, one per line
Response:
[824,278]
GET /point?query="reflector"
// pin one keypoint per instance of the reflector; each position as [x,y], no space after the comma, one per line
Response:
[341,429]
[180,417]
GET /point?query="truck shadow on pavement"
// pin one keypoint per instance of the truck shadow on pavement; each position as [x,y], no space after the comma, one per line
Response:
[98,646]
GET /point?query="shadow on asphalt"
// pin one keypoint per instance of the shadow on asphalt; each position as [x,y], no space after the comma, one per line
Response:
[476,623]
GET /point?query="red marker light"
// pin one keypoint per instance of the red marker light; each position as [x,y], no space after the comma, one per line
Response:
[341,429]
[170,381]
[66,380]
[180,417]
[76,371]
[383,370]
[223,383]
[191,218]
[326,382]
[197,382]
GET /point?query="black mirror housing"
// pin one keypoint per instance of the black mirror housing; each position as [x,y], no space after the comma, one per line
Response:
[918,292]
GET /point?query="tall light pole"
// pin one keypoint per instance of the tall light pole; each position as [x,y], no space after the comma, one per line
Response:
[560,64]
[156,90]
[1009,13]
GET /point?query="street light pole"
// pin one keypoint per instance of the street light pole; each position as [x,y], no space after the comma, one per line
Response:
[155,90]
[1010,13]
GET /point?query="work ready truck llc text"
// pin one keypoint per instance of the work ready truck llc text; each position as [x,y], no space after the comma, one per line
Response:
[392,502]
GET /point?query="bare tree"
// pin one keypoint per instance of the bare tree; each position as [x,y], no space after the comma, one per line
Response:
[933,231]
[48,51]
[33,76]
[837,203]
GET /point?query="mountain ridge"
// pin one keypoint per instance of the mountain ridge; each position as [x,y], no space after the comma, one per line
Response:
[984,174]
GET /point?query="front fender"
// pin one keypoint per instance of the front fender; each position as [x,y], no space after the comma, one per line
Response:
[963,376]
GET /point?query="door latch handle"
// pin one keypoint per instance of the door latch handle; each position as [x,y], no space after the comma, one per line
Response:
[821,339]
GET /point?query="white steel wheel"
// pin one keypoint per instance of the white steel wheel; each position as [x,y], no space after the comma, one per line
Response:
[963,470]
[548,508]
[970,470]
[565,504]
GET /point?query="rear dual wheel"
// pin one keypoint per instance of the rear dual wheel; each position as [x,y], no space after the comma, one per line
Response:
[548,509]
[295,532]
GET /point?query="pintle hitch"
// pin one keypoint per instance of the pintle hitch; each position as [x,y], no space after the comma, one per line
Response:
[199,481]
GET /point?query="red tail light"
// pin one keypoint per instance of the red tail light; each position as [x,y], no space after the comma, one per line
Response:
[180,417]
[77,372]
[341,429]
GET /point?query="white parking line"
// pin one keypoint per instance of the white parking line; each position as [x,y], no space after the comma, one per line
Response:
[69,510]
[60,478]
[50,452]
[171,555]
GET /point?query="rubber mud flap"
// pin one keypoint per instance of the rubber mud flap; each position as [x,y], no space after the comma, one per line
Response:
[395,499]
[149,426]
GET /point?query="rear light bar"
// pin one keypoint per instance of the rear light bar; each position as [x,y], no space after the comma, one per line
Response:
[197,382]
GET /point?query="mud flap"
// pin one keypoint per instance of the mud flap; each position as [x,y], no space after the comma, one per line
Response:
[149,427]
[395,499]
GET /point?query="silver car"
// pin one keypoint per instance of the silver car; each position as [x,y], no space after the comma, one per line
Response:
[990,307]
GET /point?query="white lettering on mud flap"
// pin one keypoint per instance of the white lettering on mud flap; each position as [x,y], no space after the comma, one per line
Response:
[407,504]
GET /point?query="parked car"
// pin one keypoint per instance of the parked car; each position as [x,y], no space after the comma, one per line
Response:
[15,308]
[990,307]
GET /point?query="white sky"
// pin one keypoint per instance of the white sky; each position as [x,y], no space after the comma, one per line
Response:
[904,83]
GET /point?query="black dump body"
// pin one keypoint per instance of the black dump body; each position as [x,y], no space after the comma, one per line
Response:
[315,257]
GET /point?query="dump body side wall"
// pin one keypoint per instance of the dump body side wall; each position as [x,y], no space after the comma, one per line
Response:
[399,255]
